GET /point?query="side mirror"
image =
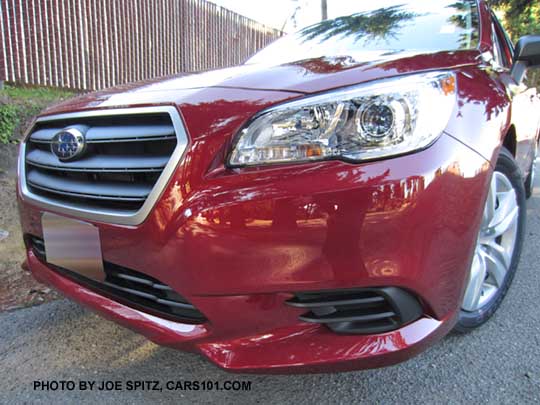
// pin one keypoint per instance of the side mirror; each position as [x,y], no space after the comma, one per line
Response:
[526,55]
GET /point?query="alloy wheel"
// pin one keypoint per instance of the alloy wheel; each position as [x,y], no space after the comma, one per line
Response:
[495,245]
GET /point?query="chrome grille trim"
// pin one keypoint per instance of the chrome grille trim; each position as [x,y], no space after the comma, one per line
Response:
[110,134]
[116,216]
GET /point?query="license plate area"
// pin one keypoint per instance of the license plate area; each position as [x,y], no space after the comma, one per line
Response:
[73,245]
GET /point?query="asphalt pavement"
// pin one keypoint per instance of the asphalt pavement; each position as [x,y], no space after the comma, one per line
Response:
[60,341]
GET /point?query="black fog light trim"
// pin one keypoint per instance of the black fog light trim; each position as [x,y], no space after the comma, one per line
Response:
[359,311]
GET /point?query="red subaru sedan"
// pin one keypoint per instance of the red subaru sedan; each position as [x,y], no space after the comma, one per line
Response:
[345,198]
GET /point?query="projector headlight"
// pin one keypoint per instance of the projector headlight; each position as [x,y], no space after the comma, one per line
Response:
[372,121]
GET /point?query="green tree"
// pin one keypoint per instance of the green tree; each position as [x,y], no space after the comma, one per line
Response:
[376,25]
[521,17]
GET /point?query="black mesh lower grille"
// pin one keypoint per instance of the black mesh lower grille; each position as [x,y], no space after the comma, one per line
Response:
[361,311]
[131,288]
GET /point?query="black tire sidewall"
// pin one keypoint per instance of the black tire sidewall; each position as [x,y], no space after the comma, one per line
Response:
[471,320]
[530,177]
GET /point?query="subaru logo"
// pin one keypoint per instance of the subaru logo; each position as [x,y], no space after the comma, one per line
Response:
[68,144]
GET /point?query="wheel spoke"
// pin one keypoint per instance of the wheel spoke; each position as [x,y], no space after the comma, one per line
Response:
[499,252]
[477,277]
[501,227]
[495,244]
[491,202]
[495,265]
[504,217]
[507,203]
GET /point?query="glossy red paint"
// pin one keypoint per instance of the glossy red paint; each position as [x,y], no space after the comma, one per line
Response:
[275,351]
[237,243]
[302,77]
[408,222]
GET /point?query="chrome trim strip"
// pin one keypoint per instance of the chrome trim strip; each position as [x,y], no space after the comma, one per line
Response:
[108,216]
[118,140]
[89,196]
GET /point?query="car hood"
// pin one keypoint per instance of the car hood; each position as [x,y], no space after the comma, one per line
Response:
[294,78]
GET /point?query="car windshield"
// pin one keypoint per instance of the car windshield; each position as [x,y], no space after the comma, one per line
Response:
[388,27]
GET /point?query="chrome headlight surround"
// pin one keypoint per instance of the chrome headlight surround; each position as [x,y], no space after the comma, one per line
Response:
[371,121]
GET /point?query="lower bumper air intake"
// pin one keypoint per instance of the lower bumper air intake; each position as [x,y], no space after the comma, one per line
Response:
[131,288]
[360,311]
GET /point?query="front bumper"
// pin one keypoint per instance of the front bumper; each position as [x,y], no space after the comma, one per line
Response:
[237,245]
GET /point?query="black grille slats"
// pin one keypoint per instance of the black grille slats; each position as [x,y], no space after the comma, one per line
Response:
[124,157]
[38,246]
[361,311]
[66,186]
[97,163]
[131,288]
[142,286]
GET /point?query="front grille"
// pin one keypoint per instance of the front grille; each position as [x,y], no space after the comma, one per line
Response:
[124,157]
[129,156]
[361,311]
[131,288]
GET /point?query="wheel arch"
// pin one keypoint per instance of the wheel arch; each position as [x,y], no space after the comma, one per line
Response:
[510,140]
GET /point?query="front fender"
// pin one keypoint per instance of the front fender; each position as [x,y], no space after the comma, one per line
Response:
[482,115]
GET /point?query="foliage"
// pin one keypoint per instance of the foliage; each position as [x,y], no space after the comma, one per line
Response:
[376,25]
[513,7]
[521,17]
[19,104]
[9,119]
[37,94]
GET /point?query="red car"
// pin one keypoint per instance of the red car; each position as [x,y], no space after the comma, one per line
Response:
[341,201]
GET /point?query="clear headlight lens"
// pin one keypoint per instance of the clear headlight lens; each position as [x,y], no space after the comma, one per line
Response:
[372,121]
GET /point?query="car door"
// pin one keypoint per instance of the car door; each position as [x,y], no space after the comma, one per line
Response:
[525,110]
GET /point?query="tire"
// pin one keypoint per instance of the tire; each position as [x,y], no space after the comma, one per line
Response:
[529,181]
[506,177]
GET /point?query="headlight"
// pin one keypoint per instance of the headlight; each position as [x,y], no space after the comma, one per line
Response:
[376,120]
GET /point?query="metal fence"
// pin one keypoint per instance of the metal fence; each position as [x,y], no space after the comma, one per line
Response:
[93,44]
